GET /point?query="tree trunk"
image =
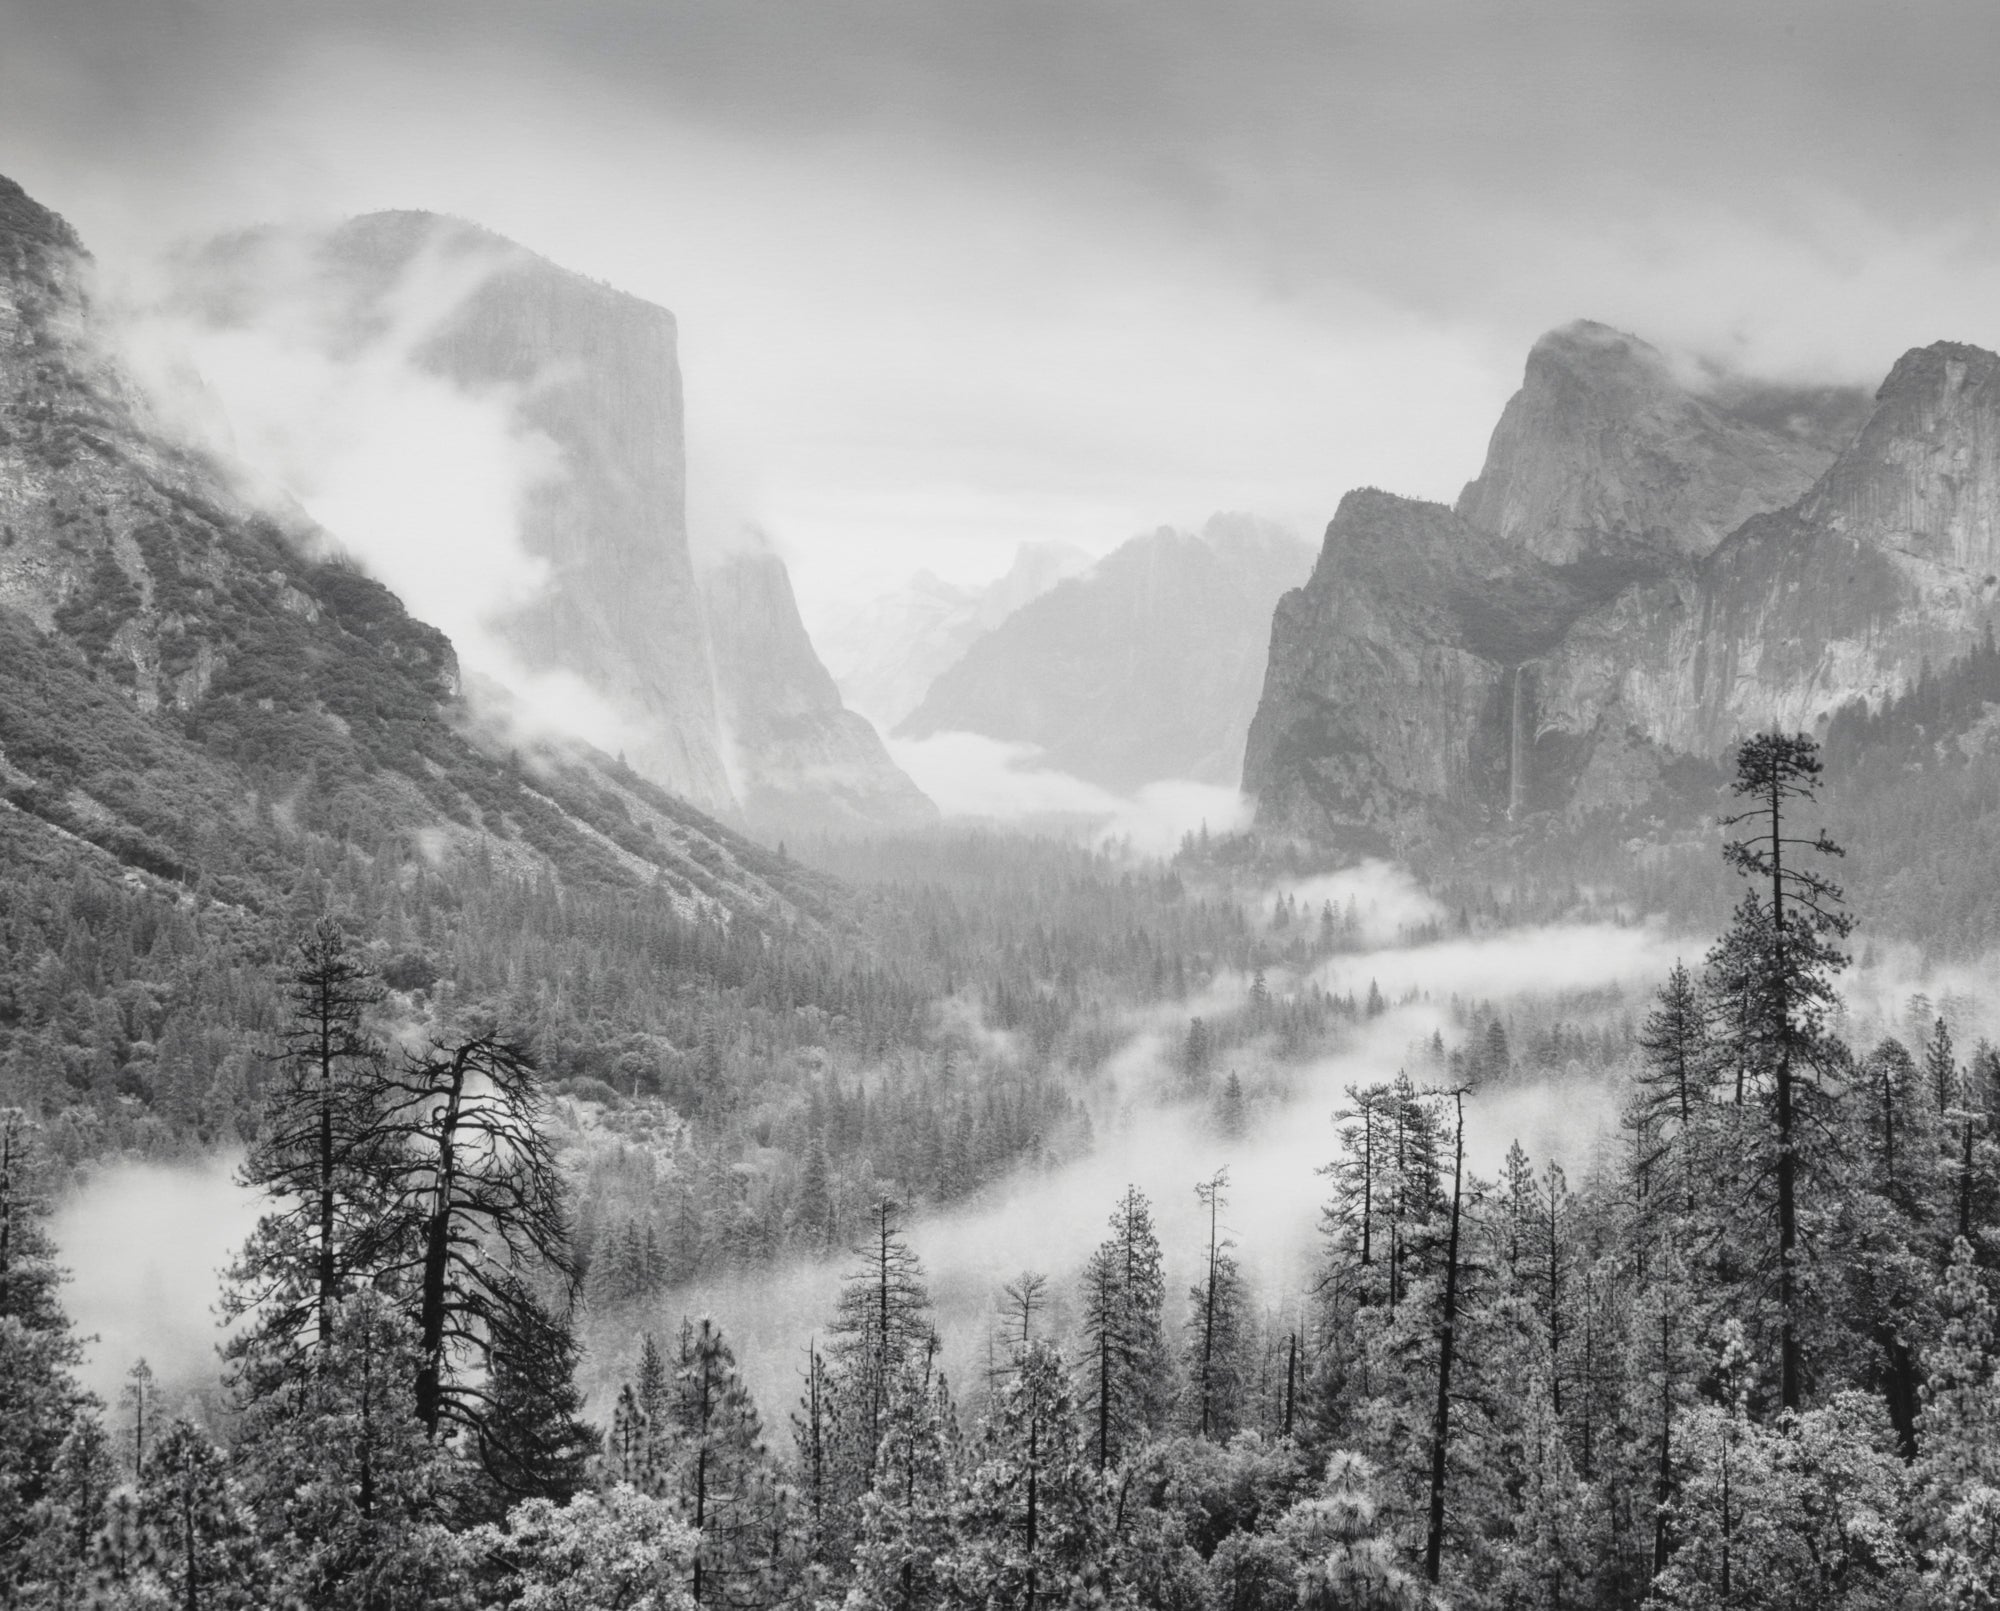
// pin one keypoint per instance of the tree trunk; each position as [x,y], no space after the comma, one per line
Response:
[1447,1345]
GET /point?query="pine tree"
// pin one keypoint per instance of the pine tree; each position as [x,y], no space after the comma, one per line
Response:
[1125,1392]
[1346,1564]
[351,1493]
[317,1161]
[60,1553]
[525,1423]
[722,1475]
[1674,1078]
[814,1453]
[1448,1321]
[1216,1326]
[1941,1067]
[907,1523]
[140,1400]
[653,1387]
[882,1324]
[1030,1525]
[1781,956]
[1197,1054]
[1958,1431]
[476,1179]
[197,1538]
[628,1449]
[815,1213]
[1231,1117]
[40,1402]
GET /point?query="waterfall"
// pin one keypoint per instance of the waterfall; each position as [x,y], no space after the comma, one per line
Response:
[1517,749]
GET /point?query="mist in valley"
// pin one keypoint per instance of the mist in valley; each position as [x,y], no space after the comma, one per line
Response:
[637,646]
[153,1293]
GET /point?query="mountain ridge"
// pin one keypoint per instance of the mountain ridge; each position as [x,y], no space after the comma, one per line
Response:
[1875,567]
[195,694]
[1141,670]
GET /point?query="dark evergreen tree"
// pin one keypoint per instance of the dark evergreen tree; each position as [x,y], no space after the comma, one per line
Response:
[1674,1079]
[724,1479]
[1779,961]
[40,1402]
[1031,1524]
[1216,1328]
[475,1178]
[318,1161]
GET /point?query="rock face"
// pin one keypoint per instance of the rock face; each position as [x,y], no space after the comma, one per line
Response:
[593,372]
[1146,668]
[188,690]
[1572,626]
[1604,455]
[802,760]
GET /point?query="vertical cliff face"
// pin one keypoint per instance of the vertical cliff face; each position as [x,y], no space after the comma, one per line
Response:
[803,761]
[599,376]
[594,372]
[1605,453]
[1393,689]
[1570,620]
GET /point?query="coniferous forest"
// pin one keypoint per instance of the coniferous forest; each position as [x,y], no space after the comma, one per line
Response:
[1738,1352]
[879,806]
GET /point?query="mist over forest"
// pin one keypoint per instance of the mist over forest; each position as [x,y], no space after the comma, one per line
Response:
[1082,810]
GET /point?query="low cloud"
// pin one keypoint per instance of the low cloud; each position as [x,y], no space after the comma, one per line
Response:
[1541,960]
[422,481]
[999,780]
[145,1244]
[1384,898]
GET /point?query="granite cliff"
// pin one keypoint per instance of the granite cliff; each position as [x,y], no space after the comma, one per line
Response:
[1577,623]
[594,373]
[199,702]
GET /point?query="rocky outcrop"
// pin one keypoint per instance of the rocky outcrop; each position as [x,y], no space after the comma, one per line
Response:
[802,761]
[1147,668]
[1385,716]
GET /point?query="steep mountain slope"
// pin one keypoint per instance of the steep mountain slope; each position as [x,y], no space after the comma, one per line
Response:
[190,692]
[886,654]
[1888,561]
[804,762]
[591,373]
[1146,668]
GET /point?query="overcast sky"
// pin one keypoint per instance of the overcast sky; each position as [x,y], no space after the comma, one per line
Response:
[953,275]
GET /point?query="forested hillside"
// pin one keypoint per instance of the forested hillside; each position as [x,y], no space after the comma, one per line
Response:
[1742,1356]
